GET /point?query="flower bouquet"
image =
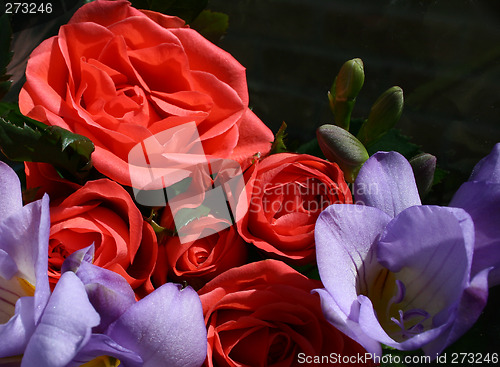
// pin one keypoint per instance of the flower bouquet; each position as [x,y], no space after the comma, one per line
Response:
[150,218]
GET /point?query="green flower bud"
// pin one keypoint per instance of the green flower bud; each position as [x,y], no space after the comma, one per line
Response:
[340,146]
[344,91]
[384,114]
[424,166]
[349,80]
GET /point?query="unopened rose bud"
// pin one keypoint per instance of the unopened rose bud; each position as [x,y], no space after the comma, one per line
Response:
[344,91]
[341,147]
[384,114]
[424,166]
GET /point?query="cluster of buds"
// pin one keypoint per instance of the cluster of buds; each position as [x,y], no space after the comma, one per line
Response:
[349,149]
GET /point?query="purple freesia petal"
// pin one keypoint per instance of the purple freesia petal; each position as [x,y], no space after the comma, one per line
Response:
[386,182]
[65,326]
[434,265]
[8,267]
[102,345]
[480,197]
[172,320]
[471,305]
[10,191]
[15,333]
[345,236]
[349,325]
[488,168]
[25,237]
[482,201]
[402,282]
[109,292]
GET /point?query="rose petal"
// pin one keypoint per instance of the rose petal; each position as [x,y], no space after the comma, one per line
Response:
[104,12]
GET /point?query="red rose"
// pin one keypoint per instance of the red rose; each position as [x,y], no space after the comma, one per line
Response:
[264,314]
[213,247]
[289,191]
[44,178]
[102,213]
[119,76]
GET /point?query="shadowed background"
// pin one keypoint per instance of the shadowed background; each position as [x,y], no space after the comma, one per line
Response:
[445,55]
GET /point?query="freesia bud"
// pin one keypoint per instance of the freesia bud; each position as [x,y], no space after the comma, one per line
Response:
[384,114]
[423,166]
[340,146]
[344,91]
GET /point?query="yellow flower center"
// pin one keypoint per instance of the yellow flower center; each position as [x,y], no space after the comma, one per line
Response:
[10,291]
[102,361]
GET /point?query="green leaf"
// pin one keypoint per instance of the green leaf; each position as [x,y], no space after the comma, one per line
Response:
[312,148]
[186,215]
[439,175]
[394,140]
[211,25]
[310,270]
[141,4]
[161,6]
[279,140]
[24,139]
[187,10]
[5,54]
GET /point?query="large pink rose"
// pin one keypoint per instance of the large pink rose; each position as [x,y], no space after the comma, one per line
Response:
[264,314]
[289,191]
[120,76]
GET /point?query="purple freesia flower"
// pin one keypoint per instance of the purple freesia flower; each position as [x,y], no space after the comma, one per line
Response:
[397,272]
[92,313]
[24,286]
[166,328]
[25,299]
[480,197]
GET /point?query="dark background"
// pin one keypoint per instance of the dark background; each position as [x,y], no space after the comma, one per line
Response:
[445,55]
